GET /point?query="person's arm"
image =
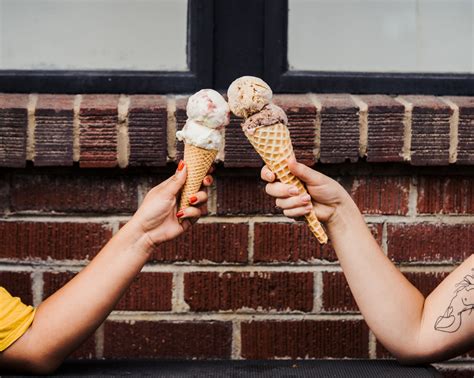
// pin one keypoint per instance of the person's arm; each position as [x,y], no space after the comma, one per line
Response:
[69,316]
[412,328]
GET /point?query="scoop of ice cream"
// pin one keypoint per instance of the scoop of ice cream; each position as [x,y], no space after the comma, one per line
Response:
[248,95]
[269,115]
[200,136]
[208,108]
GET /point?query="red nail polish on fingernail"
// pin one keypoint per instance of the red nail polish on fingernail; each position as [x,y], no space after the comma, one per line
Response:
[193,199]
[180,165]
[179,214]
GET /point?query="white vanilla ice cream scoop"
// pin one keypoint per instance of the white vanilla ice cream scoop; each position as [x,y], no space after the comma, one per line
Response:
[247,95]
[207,113]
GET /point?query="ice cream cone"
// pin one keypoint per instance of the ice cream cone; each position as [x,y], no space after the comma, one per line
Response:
[198,161]
[273,143]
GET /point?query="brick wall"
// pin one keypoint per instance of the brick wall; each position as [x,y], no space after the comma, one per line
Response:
[245,282]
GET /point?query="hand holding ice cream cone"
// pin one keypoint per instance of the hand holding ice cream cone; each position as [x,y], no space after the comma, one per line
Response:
[265,126]
[207,113]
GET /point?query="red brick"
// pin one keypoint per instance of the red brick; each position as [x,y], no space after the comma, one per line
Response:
[244,195]
[4,193]
[54,117]
[168,340]
[304,339]
[429,130]
[149,291]
[98,127]
[381,194]
[18,284]
[425,282]
[281,291]
[384,128]
[430,242]
[339,128]
[44,240]
[53,281]
[215,242]
[445,195]
[70,192]
[293,242]
[147,130]
[181,118]
[238,150]
[13,125]
[337,296]
[301,114]
[465,151]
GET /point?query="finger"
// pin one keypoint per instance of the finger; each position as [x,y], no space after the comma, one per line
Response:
[174,184]
[293,202]
[266,174]
[199,197]
[298,211]
[189,212]
[278,189]
[208,180]
[305,173]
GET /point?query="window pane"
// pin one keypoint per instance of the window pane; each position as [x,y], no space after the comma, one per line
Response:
[93,34]
[381,35]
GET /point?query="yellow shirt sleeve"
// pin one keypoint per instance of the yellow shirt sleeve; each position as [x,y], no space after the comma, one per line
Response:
[15,318]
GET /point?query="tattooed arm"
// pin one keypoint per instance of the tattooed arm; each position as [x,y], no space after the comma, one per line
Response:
[412,328]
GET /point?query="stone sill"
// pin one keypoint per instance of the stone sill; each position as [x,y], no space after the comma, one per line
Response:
[106,131]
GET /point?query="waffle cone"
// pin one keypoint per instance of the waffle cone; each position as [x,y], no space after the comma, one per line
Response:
[273,143]
[198,161]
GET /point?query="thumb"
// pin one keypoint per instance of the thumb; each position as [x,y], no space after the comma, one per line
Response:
[176,182]
[303,172]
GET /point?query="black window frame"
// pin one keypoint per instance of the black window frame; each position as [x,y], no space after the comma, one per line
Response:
[227,39]
[199,47]
[281,79]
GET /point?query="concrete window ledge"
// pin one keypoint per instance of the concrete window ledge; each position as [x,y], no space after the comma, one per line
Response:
[314,368]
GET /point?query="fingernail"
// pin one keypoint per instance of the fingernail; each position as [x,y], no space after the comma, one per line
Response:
[193,199]
[309,207]
[207,180]
[293,190]
[179,214]
[180,165]
[306,198]
[269,175]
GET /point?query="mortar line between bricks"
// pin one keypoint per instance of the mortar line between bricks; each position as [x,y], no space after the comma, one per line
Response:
[76,266]
[37,284]
[236,351]
[372,346]
[178,303]
[412,197]
[373,219]
[384,238]
[160,316]
[363,124]
[171,126]
[76,129]
[212,198]
[250,242]
[31,127]
[407,125]
[453,130]
[317,125]
[318,289]
[465,365]
[99,341]
[123,141]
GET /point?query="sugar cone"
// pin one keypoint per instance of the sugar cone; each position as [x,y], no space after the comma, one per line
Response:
[273,143]
[198,161]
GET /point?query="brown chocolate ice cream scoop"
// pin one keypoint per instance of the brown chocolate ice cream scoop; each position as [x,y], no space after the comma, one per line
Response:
[271,114]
